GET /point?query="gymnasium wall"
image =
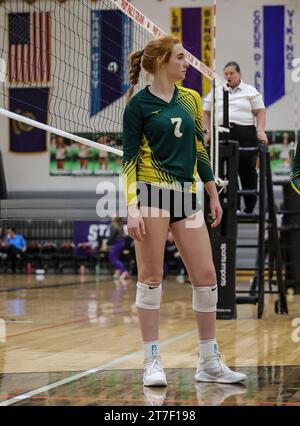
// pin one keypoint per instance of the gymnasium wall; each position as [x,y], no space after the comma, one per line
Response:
[235,41]
[236,30]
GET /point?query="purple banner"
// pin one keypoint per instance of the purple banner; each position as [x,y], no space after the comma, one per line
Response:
[191,40]
[32,103]
[90,232]
[274,71]
[111,44]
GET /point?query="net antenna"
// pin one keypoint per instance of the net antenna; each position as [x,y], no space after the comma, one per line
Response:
[50,53]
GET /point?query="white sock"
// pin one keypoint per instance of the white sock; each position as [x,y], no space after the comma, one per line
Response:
[151,349]
[208,347]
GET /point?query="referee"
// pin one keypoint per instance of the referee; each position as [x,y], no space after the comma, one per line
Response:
[247,117]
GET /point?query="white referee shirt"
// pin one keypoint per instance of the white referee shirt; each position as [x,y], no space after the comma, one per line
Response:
[243,99]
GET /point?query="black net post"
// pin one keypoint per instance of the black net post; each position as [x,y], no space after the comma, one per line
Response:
[223,238]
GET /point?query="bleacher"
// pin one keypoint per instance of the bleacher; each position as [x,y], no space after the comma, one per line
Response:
[50,247]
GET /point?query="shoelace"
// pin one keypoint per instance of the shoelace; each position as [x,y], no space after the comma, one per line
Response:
[154,366]
[216,357]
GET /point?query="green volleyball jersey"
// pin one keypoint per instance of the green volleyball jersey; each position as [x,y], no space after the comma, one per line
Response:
[295,178]
[163,142]
[296,165]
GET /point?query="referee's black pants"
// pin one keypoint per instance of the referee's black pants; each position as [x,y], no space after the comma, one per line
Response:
[246,136]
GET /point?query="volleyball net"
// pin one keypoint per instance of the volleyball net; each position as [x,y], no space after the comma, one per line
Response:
[64,67]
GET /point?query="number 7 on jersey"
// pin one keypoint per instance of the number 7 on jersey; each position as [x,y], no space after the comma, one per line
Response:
[178,122]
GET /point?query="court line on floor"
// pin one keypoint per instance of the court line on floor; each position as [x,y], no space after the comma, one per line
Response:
[73,283]
[119,360]
[38,287]
[81,320]
[49,327]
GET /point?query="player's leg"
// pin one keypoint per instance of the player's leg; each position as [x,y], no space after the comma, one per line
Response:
[197,258]
[198,261]
[150,256]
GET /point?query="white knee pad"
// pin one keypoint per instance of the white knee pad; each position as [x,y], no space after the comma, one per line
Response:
[148,296]
[205,299]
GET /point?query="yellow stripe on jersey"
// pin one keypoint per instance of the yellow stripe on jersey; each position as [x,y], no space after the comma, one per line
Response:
[129,170]
[129,177]
[151,170]
[186,100]
[190,100]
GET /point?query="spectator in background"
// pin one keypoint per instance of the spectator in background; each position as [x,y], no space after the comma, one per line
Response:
[103,155]
[84,156]
[116,244]
[172,256]
[16,247]
[61,151]
[3,253]
[285,151]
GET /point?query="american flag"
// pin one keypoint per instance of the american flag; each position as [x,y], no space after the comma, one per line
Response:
[29,47]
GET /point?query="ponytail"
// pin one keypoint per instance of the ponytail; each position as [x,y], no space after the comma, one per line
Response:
[135,69]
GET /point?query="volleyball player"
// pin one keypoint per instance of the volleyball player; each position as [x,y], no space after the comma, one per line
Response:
[163,151]
[295,180]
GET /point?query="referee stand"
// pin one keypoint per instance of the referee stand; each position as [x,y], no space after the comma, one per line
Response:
[268,256]
[224,238]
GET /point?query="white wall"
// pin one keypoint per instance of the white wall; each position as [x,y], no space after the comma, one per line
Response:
[234,42]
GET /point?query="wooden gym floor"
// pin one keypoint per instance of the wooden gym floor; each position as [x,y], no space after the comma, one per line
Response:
[72,340]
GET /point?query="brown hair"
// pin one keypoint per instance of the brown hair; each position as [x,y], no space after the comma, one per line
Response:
[147,58]
[118,222]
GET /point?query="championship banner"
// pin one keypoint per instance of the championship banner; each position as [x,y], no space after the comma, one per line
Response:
[69,158]
[111,44]
[194,28]
[32,103]
[274,50]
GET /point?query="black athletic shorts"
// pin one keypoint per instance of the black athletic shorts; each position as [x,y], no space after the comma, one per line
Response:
[178,204]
